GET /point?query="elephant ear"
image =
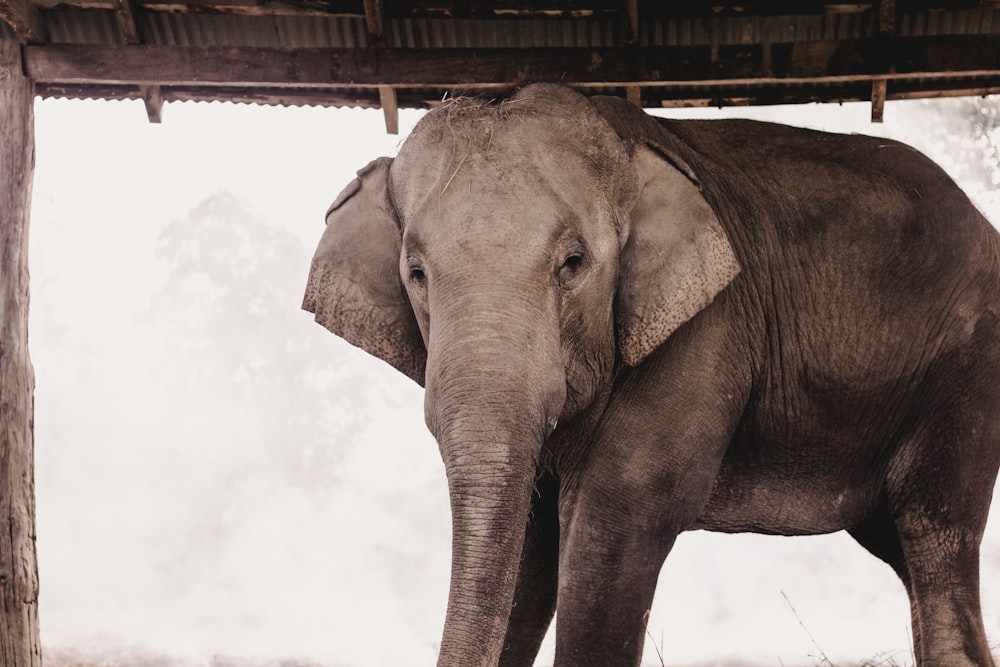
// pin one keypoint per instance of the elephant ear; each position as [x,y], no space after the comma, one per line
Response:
[676,257]
[354,288]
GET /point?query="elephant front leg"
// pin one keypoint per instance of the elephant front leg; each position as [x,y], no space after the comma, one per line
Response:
[535,595]
[619,520]
[609,569]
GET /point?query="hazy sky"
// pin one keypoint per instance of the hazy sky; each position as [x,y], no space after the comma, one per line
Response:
[178,512]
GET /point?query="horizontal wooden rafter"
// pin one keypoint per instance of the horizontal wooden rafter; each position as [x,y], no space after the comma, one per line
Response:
[648,66]
[678,95]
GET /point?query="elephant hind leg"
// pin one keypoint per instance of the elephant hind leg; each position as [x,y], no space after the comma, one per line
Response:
[943,567]
[878,535]
[938,488]
[938,496]
[940,569]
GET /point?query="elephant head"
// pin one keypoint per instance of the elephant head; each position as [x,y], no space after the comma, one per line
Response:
[509,259]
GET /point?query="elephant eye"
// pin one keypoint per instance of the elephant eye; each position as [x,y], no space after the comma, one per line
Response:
[571,268]
[417,274]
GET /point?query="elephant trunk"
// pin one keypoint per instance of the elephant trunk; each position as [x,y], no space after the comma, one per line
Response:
[490,499]
[493,391]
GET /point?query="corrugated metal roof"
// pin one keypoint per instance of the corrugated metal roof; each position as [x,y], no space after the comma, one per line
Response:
[78,26]
[750,66]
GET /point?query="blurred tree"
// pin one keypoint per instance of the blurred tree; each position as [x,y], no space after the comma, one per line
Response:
[253,381]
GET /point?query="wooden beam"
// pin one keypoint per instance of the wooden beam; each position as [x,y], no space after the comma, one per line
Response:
[634,95]
[374,21]
[25,19]
[152,96]
[887,17]
[125,16]
[376,37]
[879,87]
[632,11]
[20,645]
[364,98]
[628,66]
[718,94]
[390,108]
[886,29]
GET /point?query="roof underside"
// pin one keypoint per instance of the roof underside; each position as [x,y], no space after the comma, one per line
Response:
[414,53]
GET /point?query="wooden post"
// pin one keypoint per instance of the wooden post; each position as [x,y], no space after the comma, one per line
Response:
[152,95]
[390,108]
[20,645]
[879,88]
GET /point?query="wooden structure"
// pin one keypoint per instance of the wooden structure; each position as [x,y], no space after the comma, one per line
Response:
[414,53]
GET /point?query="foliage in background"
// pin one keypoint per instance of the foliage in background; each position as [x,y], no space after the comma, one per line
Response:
[233,285]
[966,132]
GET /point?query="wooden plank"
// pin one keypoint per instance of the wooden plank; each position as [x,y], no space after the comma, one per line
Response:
[25,19]
[390,108]
[172,65]
[374,21]
[887,17]
[152,96]
[632,11]
[714,95]
[376,37]
[125,16]
[629,66]
[634,95]
[879,87]
[366,98]
[20,645]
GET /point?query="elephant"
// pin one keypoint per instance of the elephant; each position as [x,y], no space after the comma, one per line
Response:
[627,327]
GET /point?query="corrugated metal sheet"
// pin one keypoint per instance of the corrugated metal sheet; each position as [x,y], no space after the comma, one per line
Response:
[74,26]
[78,26]
[755,29]
[983,21]
[502,33]
[262,31]
[99,27]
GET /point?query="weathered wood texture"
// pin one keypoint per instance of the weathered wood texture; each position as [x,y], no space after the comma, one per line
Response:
[661,96]
[152,96]
[390,108]
[895,58]
[25,19]
[125,17]
[20,645]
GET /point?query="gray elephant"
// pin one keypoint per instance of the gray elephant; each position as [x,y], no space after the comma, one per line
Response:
[630,327]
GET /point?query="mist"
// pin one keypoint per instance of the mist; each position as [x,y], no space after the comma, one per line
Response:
[221,481]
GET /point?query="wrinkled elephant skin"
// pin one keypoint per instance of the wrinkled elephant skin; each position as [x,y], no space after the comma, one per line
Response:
[630,327]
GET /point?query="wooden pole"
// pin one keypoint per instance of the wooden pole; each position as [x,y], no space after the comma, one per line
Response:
[20,645]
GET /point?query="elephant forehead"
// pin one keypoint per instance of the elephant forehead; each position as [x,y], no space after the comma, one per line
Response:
[477,199]
[499,144]
[493,214]
[521,178]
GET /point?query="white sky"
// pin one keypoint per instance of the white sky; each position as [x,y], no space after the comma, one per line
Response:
[359,577]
